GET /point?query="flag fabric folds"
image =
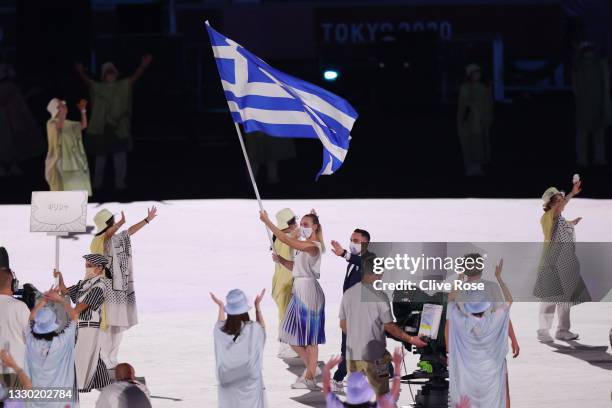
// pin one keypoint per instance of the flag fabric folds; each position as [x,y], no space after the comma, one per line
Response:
[262,98]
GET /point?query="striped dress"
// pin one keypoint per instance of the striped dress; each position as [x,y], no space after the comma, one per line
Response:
[91,372]
[304,322]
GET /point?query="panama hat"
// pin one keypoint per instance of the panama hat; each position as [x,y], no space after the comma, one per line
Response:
[236,302]
[283,217]
[101,218]
[358,389]
[45,321]
[549,194]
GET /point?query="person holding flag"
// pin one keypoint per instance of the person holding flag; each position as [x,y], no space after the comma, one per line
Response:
[304,322]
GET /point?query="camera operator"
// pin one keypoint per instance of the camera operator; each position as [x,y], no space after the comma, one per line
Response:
[365,316]
[13,322]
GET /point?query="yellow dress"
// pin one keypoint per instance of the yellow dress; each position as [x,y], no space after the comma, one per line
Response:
[282,282]
[66,167]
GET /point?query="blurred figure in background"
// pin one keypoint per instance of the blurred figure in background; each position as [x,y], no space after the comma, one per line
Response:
[239,345]
[20,135]
[474,119]
[126,392]
[268,151]
[591,81]
[110,129]
[282,282]
[66,166]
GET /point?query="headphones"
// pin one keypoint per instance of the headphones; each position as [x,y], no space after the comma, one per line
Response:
[14,282]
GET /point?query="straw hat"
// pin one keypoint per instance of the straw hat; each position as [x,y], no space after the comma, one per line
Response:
[101,218]
[283,217]
[236,302]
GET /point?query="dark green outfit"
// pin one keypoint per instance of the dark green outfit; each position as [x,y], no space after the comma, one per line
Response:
[110,126]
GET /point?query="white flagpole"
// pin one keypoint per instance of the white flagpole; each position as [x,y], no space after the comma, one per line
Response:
[248,164]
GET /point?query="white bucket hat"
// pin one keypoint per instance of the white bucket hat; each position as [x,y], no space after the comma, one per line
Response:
[236,302]
[358,389]
[101,218]
[53,106]
[283,217]
[45,321]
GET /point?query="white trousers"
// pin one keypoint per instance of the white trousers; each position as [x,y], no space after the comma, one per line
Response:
[110,342]
[547,314]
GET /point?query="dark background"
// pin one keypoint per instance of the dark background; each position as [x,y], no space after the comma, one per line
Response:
[404,143]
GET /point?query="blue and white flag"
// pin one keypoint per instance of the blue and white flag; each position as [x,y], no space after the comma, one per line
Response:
[265,99]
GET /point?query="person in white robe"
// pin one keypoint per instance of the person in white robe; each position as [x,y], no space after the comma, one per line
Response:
[239,345]
[478,345]
[120,312]
[49,353]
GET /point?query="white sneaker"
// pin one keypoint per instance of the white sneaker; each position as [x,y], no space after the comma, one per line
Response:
[317,372]
[545,337]
[300,384]
[566,335]
[285,351]
[337,386]
[312,385]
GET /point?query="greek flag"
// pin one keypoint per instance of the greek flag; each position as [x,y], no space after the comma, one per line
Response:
[265,99]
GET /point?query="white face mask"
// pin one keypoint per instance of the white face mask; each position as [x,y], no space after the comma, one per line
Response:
[355,248]
[305,232]
[90,273]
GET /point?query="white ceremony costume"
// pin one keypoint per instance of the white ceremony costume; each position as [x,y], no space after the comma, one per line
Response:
[239,361]
[477,357]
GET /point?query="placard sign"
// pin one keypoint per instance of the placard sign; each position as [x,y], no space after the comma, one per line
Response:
[58,211]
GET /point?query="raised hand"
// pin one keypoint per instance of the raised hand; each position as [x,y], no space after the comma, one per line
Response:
[218,301]
[146,60]
[258,298]
[398,357]
[7,360]
[122,220]
[53,296]
[498,269]
[263,216]
[82,105]
[464,403]
[337,248]
[151,213]
[333,361]
[577,188]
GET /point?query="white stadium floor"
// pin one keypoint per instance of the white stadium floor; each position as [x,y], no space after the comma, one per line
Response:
[195,247]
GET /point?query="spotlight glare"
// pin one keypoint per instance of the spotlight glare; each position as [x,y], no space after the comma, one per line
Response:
[330,75]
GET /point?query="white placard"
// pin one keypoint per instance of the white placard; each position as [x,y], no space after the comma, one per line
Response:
[430,321]
[58,211]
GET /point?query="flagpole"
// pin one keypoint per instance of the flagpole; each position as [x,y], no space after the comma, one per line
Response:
[248,164]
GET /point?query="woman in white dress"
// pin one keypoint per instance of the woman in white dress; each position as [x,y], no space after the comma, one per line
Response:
[303,327]
[239,345]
